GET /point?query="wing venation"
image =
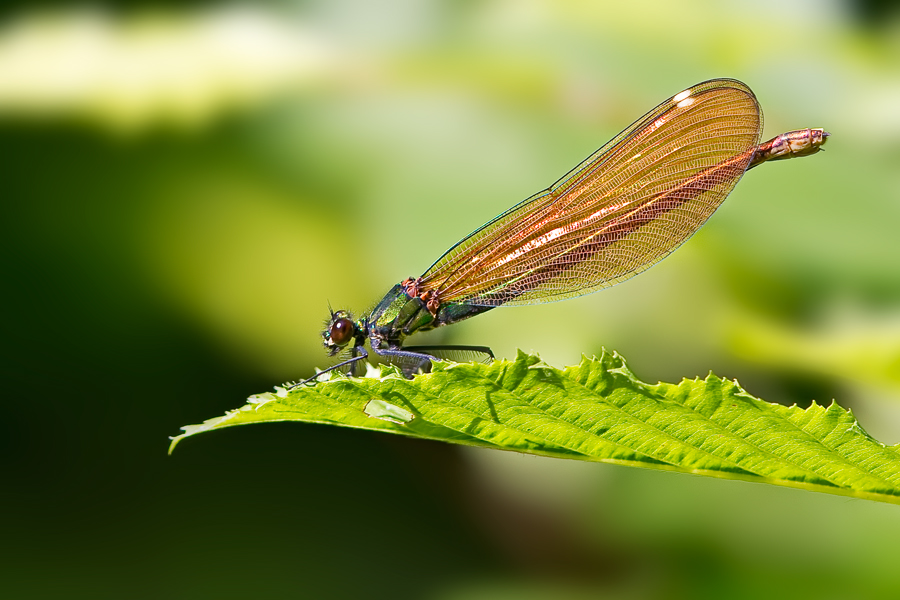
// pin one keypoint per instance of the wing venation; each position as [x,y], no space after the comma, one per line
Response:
[617,213]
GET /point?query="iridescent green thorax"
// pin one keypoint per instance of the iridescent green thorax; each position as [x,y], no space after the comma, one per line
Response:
[399,315]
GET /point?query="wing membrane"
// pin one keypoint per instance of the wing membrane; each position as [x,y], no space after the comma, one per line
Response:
[620,211]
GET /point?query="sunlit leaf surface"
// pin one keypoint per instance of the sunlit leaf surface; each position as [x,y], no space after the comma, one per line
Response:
[599,411]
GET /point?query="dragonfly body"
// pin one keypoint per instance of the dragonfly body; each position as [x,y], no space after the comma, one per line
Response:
[802,142]
[399,314]
[403,312]
[620,211]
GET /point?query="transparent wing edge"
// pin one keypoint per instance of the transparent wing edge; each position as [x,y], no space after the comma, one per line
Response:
[585,165]
[580,173]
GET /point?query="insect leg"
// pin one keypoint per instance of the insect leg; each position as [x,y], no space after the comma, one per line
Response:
[456,353]
[408,361]
[363,354]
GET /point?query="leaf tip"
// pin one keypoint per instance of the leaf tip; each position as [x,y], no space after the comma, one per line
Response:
[521,355]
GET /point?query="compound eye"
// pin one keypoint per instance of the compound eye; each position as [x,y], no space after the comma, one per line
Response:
[342,331]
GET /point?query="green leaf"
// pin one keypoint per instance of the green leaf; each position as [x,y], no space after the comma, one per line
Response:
[599,411]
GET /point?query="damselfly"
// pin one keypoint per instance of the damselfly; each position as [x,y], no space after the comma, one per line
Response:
[623,209]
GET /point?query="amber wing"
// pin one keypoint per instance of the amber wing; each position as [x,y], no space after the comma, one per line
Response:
[623,209]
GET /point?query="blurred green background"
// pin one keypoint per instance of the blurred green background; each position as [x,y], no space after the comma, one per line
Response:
[185,189]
